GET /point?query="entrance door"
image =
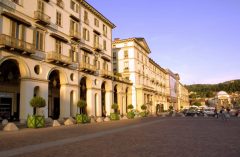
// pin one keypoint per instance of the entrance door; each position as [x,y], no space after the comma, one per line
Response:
[5,108]
[56,108]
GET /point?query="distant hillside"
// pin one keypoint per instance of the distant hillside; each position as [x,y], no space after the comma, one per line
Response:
[209,90]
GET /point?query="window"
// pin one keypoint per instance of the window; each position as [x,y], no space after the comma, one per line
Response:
[58,46]
[105,65]
[85,58]
[73,54]
[96,40]
[114,55]
[17,30]
[125,65]
[40,6]
[16,1]
[86,17]
[96,22]
[59,19]
[39,40]
[73,26]
[74,6]
[104,45]
[125,54]
[137,55]
[60,3]
[86,34]
[104,30]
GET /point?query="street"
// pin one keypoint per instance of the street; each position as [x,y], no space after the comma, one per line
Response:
[150,137]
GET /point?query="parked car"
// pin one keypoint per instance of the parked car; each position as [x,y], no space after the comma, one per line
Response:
[209,111]
[192,111]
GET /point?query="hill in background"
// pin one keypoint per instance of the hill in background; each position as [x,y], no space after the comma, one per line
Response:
[209,90]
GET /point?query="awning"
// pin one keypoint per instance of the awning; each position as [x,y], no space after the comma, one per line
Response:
[75,18]
[56,36]
[106,58]
[16,18]
[86,50]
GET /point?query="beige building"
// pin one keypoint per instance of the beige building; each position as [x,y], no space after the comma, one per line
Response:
[60,50]
[150,85]
[183,97]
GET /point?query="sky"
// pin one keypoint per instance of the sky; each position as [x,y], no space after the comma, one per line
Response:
[199,39]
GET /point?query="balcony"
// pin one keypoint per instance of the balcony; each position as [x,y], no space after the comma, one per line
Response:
[16,44]
[97,47]
[121,79]
[75,35]
[106,74]
[86,67]
[42,18]
[58,58]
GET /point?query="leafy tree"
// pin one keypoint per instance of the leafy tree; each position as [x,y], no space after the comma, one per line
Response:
[197,104]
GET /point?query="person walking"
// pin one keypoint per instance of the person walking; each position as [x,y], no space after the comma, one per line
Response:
[223,116]
[215,112]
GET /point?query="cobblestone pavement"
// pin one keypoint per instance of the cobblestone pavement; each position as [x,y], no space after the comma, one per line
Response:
[150,137]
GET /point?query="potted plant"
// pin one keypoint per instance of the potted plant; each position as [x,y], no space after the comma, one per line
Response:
[82,117]
[130,113]
[114,115]
[144,112]
[170,109]
[35,120]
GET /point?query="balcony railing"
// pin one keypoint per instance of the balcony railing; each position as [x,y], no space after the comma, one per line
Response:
[58,58]
[97,47]
[106,73]
[16,44]
[42,18]
[75,35]
[121,79]
[87,67]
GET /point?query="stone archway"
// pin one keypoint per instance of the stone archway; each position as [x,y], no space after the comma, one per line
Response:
[115,95]
[126,107]
[83,89]
[54,94]
[10,75]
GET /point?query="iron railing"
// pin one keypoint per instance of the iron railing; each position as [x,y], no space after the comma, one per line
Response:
[15,43]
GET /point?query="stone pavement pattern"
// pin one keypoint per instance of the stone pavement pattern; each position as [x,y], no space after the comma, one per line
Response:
[150,137]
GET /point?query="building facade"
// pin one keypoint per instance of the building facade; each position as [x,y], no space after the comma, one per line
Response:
[183,97]
[150,81]
[60,50]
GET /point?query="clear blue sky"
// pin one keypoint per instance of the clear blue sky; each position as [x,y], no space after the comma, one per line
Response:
[199,39]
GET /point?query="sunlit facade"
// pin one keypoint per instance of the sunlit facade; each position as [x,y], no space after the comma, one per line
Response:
[150,85]
[60,50]
[183,97]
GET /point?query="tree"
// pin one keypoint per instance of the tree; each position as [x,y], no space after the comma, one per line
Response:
[37,102]
[197,104]
[82,104]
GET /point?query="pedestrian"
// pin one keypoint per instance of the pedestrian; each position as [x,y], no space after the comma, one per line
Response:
[222,113]
[215,112]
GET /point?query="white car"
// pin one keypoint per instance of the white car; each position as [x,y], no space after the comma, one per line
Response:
[209,112]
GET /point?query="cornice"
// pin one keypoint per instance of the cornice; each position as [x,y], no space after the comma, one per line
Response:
[97,13]
[129,40]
